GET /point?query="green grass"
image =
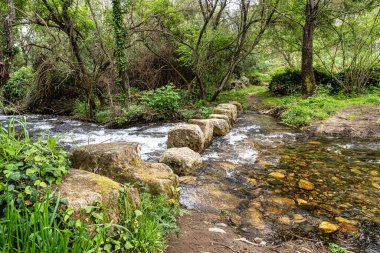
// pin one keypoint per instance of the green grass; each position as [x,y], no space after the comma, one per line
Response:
[37,229]
[300,112]
[241,95]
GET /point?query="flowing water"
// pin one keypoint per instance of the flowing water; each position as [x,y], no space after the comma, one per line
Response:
[252,177]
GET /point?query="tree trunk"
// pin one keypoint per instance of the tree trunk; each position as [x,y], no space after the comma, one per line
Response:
[7,56]
[308,77]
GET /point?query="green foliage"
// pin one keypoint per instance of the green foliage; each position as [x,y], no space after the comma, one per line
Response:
[39,228]
[17,86]
[299,112]
[289,81]
[334,248]
[165,99]
[131,114]
[80,109]
[144,229]
[27,166]
[103,116]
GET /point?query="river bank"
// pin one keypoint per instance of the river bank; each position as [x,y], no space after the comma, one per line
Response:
[250,182]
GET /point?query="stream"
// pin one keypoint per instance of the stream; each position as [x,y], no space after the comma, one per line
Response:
[252,177]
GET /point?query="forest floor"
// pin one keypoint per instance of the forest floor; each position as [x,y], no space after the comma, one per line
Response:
[207,233]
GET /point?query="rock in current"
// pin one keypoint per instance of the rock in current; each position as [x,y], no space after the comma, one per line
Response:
[327,227]
[106,159]
[207,127]
[188,135]
[183,161]
[306,185]
[229,113]
[221,127]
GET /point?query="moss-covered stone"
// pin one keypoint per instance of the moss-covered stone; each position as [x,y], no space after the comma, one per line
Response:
[82,188]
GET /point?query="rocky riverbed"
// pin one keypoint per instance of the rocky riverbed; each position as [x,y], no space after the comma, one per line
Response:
[265,180]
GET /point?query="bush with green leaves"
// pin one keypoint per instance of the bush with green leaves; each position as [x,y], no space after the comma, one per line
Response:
[27,166]
[289,81]
[17,86]
[103,115]
[165,100]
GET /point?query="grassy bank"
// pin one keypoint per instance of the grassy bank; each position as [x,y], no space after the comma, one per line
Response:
[299,112]
[33,218]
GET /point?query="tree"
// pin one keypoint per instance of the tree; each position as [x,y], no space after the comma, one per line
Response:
[8,53]
[120,41]
[252,14]
[307,70]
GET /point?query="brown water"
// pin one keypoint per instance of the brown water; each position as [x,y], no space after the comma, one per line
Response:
[254,173]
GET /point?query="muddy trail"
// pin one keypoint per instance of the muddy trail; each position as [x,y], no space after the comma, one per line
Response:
[263,188]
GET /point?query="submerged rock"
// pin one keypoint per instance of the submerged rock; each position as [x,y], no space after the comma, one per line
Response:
[82,188]
[189,135]
[207,127]
[256,218]
[183,161]
[306,185]
[282,202]
[277,175]
[327,227]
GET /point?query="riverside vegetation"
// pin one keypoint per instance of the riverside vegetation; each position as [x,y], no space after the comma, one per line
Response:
[120,63]
[34,219]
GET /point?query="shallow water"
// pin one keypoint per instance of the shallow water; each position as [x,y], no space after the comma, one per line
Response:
[73,133]
[236,177]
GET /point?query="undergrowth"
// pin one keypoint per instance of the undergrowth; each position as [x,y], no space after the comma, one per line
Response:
[33,217]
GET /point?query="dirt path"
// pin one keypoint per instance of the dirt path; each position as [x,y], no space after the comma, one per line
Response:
[357,121]
[206,233]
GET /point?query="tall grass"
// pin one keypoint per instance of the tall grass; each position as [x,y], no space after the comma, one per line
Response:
[38,229]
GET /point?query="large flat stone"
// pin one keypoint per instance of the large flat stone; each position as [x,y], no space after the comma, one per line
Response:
[106,159]
[82,189]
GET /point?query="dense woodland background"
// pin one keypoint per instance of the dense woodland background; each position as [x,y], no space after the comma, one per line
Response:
[105,60]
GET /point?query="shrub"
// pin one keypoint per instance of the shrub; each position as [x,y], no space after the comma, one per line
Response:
[103,116]
[80,109]
[27,166]
[165,99]
[254,78]
[16,87]
[131,114]
[289,82]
